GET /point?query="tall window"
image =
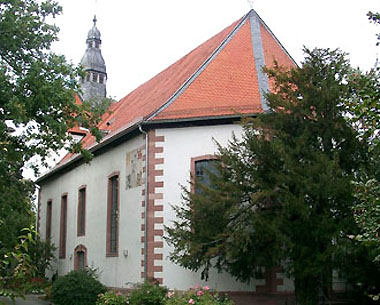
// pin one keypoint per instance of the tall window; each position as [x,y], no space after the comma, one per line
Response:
[81,224]
[101,78]
[48,221]
[113,215]
[94,77]
[63,227]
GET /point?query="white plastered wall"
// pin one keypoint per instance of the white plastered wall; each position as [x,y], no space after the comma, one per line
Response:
[180,145]
[115,271]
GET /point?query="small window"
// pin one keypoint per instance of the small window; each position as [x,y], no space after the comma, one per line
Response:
[97,44]
[81,225]
[88,76]
[80,257]
[201,170]
[94,77]
[101,78]
[113,216]
[63,228]
[48,220]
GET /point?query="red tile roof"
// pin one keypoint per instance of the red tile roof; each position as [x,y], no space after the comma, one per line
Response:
[218,78]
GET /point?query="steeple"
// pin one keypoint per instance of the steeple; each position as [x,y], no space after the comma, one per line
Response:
[94,82]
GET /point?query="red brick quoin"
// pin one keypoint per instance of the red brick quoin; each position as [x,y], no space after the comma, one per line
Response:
[153,195]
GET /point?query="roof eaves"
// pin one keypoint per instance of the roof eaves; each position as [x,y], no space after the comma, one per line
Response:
[93,148]
[202,67]
[198,119]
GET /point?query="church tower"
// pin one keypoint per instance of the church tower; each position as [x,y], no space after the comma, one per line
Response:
[94,82]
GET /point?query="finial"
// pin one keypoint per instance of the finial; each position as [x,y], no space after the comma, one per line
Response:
[250,2]
[94,20]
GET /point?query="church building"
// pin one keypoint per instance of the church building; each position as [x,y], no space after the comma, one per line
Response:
[110,214]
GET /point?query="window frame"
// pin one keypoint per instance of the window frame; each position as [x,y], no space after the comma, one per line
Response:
[109,251]
[63,226]
[83,249]
[80,225]
[49,215]
[194,160]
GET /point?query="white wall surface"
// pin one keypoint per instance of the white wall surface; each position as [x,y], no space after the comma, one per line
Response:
[182,144]
[115,271]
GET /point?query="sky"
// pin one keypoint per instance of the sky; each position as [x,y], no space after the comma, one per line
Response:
[141,38]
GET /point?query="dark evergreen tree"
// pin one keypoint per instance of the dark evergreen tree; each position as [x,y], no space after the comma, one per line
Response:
[284,192]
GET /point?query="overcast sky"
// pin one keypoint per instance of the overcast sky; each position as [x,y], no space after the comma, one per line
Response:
[141,38]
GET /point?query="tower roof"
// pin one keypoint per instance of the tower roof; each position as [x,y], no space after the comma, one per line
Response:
[94,84]
[222,77]
[93,60]
[94,33]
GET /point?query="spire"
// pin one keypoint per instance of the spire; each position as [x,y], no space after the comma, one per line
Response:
[94,83]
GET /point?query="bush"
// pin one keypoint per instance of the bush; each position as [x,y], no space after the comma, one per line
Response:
[77,287]
[197,296]
[36,285]
[148,294]
[112,298]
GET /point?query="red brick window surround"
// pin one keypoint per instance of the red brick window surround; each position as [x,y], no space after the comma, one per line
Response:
[113,205]
[49,206]
[199,167]
[63,227]
[80,257]
[81,221]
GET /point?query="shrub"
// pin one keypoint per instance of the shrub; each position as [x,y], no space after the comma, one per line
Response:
[36,285]
[112,298]
[76,287]
[148,294]
[197,296]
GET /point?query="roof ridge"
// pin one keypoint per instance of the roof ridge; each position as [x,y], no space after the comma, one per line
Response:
[199,70]
[274,36]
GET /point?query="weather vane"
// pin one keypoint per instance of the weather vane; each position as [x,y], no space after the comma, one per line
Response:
[250,2]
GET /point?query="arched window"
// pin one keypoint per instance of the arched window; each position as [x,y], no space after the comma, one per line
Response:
[80,257]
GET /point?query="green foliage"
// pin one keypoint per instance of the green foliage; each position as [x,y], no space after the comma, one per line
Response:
[375,18]
[147,294]
[15,210]
[37,106]
[197,296]
[41,253]
[284,191]
[36,285]
[364,114]
[112,298]
[16,267]
[76,287]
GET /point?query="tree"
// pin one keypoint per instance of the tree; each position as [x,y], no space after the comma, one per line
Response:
[37,105]
[16,267]
[284,192]
[364,114]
